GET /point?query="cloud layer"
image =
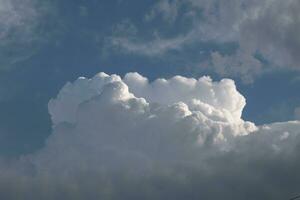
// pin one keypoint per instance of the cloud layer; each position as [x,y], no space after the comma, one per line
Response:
[179,138]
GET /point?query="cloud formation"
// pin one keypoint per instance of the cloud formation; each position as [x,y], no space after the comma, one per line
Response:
[265,33]
[128,138]
[21,23]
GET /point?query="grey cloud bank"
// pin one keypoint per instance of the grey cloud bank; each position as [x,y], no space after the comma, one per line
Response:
[180,138]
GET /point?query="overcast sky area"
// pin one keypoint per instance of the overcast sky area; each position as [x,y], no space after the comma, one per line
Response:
[165,99]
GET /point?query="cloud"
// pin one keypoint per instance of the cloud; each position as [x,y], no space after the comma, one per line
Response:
[157,47]
[297,113]
[167,9]
[265,33]
[128,138]
[20,29]
[241,64]
[125,38]
[14,15]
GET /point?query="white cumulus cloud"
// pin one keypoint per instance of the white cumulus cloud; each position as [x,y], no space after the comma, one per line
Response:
[129,138]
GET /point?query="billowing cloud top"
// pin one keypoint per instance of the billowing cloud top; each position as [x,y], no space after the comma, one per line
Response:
[129,138]
[218,96]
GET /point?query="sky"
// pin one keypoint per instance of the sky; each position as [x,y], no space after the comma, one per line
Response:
[162,94]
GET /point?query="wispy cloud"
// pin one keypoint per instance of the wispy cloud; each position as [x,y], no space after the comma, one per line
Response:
[266,33]
[20,29]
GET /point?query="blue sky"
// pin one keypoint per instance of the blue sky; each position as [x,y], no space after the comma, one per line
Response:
[213,111]
[68,39]
[46,44]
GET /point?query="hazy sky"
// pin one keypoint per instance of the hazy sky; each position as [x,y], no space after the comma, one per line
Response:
[238,63]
